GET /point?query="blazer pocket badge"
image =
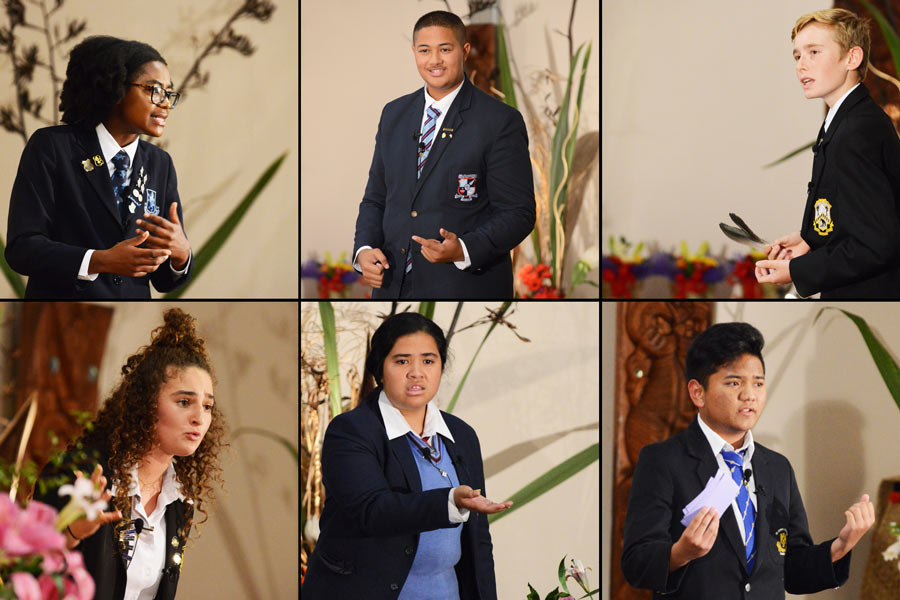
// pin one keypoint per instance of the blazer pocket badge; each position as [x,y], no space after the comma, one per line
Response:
[465,189]
[822,222]
[151,206]
[781,541]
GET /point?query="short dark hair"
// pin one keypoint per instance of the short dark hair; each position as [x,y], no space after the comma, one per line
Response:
[99,67]
[719,345]
[397,326]
[442,18]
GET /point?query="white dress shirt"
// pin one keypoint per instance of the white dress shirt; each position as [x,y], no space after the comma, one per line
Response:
[442,105]
[146,569]
[833,110]
[109,147]
[717,444]
[395,425]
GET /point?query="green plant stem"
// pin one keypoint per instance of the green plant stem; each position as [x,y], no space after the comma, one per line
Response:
[331,358]
[462,382]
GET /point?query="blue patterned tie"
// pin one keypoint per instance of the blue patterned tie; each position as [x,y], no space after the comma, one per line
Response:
[427,138]
[120,162]
[736,462]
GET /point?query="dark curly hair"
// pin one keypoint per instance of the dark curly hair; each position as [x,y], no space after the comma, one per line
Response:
[99,67]
[126,426]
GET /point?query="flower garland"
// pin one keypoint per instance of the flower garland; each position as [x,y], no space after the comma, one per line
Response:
[333,277]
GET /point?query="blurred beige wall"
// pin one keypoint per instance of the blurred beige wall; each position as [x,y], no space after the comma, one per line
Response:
[697,96]
[221,138]
[248,547]
[828,410]
[533,405]
[357,57]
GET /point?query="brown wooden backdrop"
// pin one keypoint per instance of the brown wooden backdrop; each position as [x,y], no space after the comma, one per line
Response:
[651,403]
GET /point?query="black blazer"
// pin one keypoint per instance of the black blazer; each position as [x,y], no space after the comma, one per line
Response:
[375,509]
[102,551]
[668,476]
[485,140]
[62,205]
[852,216]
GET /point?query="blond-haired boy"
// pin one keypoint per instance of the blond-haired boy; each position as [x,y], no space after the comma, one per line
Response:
[848,245]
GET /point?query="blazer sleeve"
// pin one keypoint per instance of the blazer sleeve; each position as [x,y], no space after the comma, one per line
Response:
[354,477]
[647,542]
[868,215]
[807,567]
[484,555]
[164,279]
[511,185]
[369,228]
[30,248]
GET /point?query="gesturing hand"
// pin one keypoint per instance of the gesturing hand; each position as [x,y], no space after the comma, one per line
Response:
[125,258]
[84,528]
[168,235]
[450,250]
[859,518]
[787,247]
[465,497]
[697,540]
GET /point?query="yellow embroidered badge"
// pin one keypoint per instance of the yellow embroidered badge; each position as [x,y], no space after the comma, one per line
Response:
[781,541]
[822,222]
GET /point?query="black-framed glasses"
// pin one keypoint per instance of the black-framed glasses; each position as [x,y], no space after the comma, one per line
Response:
[158,94]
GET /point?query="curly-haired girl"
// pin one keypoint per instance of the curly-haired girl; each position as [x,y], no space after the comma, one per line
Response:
[157,439]
[94,211]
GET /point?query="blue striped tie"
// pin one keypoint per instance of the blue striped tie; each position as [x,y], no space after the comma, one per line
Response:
[736,462]
[120,162]
[427,138]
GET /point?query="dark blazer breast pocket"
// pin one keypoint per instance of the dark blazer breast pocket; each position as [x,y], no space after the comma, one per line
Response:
[776,539]
[465,186]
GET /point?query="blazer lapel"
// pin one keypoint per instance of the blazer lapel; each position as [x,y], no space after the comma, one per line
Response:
[698,447]
[762,478]
[855,97]
[462,471]
[453,121]
[134,193]
[87,154]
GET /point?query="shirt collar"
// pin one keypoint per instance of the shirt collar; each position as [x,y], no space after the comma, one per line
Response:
[396,426]
[170,491]
[110,147]
[444,103]
[833,110]
[717,444]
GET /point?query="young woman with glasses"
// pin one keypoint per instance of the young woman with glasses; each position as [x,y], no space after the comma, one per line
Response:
[94,211]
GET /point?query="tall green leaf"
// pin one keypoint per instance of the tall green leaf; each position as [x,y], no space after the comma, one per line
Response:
[550,479]
[890,35]
[506,82]
[558,175]
[790,154]
[286,443]
[329,333]
[884,362]
[426,309]
[15,280]
[220,236]
[465,376]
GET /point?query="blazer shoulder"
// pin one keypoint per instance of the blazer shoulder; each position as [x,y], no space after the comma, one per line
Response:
[401,104]
[154,151]
[775,459]
[458,426]
[56,136]
[867,120]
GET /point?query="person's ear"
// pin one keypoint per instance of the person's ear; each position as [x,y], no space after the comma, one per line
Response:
[856,57]
[466,47]
[697,393]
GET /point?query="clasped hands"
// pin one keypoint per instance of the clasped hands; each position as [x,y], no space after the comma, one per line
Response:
[373,262]
[779,253]
[465,497]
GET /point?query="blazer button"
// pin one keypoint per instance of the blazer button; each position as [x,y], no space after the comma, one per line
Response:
[747,588]
[117,280]
[408,551]
[403,251]
[414,214]
[395,587]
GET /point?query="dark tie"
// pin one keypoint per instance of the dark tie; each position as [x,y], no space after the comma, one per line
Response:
[120,162]
[735,462]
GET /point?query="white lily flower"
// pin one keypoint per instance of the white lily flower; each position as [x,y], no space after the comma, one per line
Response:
[892,551]
[84,496]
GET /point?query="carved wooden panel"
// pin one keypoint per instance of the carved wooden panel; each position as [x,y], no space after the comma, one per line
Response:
[652,403]
[59,349]
[481,66]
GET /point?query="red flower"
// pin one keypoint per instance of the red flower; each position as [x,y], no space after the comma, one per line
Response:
[622,280]
[533,277]
[548,292]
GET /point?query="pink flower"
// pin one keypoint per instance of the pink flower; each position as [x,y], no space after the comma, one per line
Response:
[41,513]
[53,562]
[28,535]
[48,588]
[25,586]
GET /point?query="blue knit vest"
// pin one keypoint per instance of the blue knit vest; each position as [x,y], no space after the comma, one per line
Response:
[431,575]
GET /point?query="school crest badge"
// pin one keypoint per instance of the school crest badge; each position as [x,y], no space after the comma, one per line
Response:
[781,541]
[822,222]
[98,160]
[465,190]
[87,165]
[152,207]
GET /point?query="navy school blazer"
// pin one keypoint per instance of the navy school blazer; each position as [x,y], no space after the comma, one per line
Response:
[670,474]
[62,205]
[375,509]
[102,552]
[476,182]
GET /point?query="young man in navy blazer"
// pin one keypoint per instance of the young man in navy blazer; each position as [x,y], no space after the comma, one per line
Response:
[450,190]
[765,550]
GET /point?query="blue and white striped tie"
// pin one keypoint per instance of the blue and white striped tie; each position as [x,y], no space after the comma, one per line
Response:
[427,138]
[735,462]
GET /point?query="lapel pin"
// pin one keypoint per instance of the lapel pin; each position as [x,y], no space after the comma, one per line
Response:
[443,135]
[451,136]
[98,160]
[87,165]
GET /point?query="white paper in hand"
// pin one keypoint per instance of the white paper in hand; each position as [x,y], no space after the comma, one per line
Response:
[719,492]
